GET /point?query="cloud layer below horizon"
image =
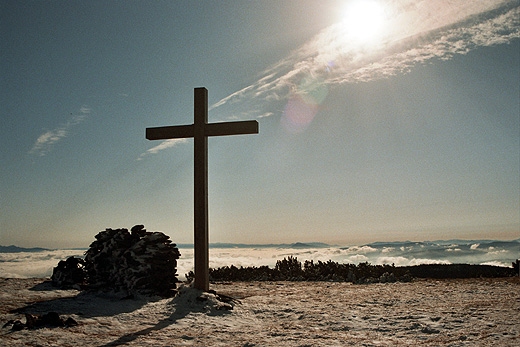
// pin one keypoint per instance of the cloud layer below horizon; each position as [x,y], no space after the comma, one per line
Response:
[498,253]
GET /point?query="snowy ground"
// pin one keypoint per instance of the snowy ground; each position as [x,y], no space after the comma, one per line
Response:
[475,312]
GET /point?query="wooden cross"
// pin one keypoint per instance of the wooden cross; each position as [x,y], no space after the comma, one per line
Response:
[200,131]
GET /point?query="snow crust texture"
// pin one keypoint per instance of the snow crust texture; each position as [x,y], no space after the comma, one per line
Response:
[458,312]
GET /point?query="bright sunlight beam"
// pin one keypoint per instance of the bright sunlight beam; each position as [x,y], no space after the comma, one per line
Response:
[364,20]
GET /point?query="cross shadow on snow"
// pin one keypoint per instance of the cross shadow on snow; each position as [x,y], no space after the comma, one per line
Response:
[94,304]
[188,301]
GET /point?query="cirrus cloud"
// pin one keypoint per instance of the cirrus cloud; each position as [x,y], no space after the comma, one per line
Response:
[46,141]
[163,145]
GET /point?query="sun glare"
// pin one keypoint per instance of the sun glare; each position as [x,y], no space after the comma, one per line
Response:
[364,20]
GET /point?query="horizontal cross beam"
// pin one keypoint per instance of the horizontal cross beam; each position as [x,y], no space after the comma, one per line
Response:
[211,129]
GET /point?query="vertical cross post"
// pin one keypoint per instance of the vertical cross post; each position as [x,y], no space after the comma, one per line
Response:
[201,238]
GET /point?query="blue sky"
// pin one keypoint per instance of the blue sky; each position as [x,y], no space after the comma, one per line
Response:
[404,126]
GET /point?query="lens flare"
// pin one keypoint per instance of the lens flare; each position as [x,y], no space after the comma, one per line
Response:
[303,105]
[298,114]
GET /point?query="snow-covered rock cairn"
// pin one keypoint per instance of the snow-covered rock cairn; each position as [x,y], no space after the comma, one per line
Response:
[136,262]
[69,273]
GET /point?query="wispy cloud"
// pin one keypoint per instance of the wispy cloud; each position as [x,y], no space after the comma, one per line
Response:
[416,32]
[163,145]
[45,142]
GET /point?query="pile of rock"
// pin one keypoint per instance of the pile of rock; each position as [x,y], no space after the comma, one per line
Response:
[69,273]
[136,261]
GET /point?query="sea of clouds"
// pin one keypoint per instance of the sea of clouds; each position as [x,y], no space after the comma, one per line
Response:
[499,253]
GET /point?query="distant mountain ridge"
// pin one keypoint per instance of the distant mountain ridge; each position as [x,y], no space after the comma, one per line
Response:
[296,245]
[16,249]
[303,245]
[445,243]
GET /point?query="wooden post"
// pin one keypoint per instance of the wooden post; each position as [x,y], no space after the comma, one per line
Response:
[201,241]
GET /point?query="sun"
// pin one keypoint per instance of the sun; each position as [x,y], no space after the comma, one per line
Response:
[364,20]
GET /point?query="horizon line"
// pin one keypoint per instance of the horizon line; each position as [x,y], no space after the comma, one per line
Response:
[297,244]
